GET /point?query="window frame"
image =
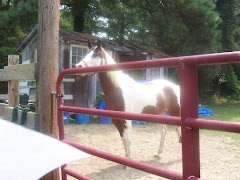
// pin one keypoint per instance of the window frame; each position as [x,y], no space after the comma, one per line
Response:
[71,55]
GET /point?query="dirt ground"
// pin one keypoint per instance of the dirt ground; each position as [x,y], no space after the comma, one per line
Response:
[219,158]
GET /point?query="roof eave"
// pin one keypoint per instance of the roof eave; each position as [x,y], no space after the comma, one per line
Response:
[27,38]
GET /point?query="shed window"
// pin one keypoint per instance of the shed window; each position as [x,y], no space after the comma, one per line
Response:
[78,53]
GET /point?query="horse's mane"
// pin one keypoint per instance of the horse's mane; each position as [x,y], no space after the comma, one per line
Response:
[117,77]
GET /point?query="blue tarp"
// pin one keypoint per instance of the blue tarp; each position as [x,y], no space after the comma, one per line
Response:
[139,122]
[204,112]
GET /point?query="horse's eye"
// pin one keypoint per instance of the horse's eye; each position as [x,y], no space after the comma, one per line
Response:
[94,55]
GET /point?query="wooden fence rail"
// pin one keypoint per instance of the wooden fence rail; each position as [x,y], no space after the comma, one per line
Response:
[13,73]
[20,72]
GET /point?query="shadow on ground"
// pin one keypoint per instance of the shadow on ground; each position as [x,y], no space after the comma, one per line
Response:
[118,172]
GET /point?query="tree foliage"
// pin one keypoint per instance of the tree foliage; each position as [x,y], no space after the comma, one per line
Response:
[228,83]
[229,12]
[17,17]
[66,19]
[78,10]
[120,20]
[178,27]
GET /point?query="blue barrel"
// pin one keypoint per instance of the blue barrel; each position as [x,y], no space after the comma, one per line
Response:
[66,118]
[82,118]
[104,120]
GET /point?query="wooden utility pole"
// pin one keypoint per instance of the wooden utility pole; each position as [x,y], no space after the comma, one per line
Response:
[13,85]
[48,37]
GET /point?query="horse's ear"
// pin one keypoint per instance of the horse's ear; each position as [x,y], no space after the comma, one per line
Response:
[100,44]
[89,44]
[99,49]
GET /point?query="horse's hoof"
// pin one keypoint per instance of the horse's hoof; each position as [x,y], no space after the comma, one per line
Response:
[156,156]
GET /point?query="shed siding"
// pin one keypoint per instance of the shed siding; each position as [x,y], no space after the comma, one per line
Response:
[60,56]
[156,73]
[66,56]
[29,52]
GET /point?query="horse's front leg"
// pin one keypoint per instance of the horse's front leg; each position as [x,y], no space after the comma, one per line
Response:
[126,138]
[163,130]
[125,128]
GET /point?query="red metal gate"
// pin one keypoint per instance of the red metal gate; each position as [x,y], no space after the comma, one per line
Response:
[189,122]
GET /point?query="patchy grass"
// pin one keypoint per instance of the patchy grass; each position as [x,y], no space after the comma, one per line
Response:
[227,112]
[71,120]
[94,120]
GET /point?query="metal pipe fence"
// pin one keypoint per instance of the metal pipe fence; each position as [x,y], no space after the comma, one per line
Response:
[189,122]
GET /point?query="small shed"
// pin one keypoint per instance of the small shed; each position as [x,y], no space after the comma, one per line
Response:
[81,91]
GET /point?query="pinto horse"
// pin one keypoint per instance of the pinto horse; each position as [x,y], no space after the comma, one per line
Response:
[122,93]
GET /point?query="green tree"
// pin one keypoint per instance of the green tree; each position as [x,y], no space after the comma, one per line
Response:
[229,13]
[78,10]
[180,27]
[66,19]
[17,17]
[229,75]
[117,20]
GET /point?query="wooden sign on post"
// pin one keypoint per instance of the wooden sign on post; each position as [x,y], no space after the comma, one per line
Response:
[13,85]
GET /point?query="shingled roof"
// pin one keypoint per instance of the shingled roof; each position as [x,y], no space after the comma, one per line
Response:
[80,38]
[124,47]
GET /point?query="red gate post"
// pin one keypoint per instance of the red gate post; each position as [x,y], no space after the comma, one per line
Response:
[189,108]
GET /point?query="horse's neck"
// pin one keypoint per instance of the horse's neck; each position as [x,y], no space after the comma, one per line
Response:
[112,80]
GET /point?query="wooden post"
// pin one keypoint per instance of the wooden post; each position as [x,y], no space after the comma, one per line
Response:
[48,37]
[13,85]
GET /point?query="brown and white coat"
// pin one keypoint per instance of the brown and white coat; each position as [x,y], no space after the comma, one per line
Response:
[122,93]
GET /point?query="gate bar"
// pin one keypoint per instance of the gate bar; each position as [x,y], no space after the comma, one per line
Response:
[128,162]
[75,174]
[206,59]
[171,120]
[213,125]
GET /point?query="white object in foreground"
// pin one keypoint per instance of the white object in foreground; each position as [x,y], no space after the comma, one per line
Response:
[29,155]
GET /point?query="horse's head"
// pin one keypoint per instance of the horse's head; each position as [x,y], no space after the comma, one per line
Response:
[94,57]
